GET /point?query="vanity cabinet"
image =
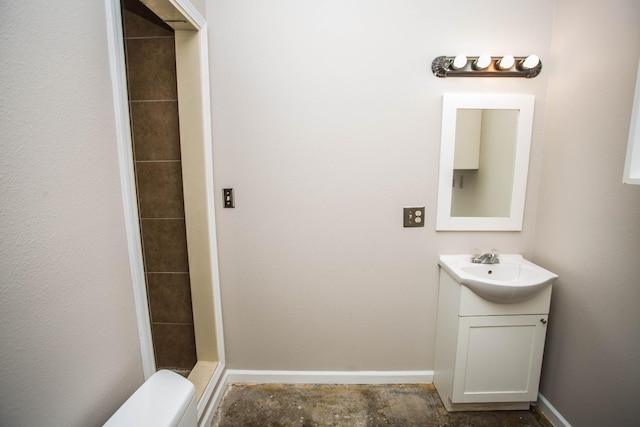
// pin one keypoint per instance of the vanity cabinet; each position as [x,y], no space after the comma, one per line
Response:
[488,355]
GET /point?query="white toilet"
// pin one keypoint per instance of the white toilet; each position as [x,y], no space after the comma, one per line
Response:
[166,399]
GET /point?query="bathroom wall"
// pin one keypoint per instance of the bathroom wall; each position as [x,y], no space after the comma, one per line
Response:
[69,353]
[153,103]
[588,222]
[326,121]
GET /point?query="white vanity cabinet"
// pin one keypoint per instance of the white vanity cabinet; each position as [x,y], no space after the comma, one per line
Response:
[488,355]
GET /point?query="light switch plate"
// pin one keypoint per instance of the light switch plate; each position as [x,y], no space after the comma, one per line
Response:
[227,198]
[414,217]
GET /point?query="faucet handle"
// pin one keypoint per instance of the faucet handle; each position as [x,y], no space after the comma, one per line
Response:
[476,255]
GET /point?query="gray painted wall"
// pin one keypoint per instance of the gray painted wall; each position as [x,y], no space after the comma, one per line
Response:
[326,121]
[588,222]
[69,352]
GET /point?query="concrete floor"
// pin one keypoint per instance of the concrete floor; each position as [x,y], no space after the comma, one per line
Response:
[354,405]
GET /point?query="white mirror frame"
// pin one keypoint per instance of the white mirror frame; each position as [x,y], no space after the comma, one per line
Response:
[450,105]
[632,163]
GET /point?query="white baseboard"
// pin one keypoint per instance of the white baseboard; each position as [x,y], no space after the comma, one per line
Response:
[214,393]
[551,412]
[329,377]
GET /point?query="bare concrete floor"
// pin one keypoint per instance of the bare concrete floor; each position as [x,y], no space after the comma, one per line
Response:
[354,405]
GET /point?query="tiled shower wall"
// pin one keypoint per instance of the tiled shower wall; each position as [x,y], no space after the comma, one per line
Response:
[151,74]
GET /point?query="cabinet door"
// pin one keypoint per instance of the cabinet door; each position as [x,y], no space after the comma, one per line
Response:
[499,358]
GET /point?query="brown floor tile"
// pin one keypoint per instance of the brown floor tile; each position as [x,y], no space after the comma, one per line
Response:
[165,245]
[160,189]
[156,130]
[175,345]
[151,65]
[170,297]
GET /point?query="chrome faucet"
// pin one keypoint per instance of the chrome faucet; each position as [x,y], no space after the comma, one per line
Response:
[488,258]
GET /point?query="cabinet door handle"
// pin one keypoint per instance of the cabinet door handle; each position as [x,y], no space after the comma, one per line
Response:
[543,321]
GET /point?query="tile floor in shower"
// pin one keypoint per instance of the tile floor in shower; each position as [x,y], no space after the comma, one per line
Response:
[354,405]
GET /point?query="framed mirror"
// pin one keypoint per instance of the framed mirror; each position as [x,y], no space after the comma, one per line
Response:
[484,161]
[632,163]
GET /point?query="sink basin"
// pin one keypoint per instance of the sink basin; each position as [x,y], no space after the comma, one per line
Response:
[514,279]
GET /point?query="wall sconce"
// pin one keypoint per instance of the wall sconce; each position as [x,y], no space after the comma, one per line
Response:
[486,66]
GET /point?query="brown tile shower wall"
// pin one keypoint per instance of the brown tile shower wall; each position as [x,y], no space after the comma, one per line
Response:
[151,74]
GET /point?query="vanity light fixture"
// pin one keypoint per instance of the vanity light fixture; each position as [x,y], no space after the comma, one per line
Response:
[506,62]
[486,66]
[482,62]
[530,62]
[460,61]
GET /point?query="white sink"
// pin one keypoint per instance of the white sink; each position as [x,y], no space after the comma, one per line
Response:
[514,279]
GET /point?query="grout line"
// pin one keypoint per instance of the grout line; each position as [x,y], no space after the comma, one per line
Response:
[158,161]
[154,100]
[150,218]
[149,37]
[167,272]
[174,323]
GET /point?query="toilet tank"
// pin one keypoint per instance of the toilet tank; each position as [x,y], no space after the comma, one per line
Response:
[166,399]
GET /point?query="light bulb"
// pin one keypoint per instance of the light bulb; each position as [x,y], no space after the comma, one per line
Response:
[482,62]
[530,62]
[506,62]
[459,62]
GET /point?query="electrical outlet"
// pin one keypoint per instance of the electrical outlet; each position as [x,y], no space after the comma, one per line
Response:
[227,198]
[414,217]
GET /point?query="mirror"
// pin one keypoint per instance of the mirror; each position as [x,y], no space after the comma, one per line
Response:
[484,161]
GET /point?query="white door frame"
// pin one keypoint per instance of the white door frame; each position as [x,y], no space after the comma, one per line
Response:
[196,22]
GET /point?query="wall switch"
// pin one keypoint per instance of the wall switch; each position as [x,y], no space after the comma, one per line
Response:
[227,198]
[414,217]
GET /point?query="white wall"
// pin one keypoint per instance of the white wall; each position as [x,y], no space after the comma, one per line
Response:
[70,353]
[326,121]
[588,222]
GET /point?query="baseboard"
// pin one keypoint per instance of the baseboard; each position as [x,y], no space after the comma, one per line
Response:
[551,412]
[329,377]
